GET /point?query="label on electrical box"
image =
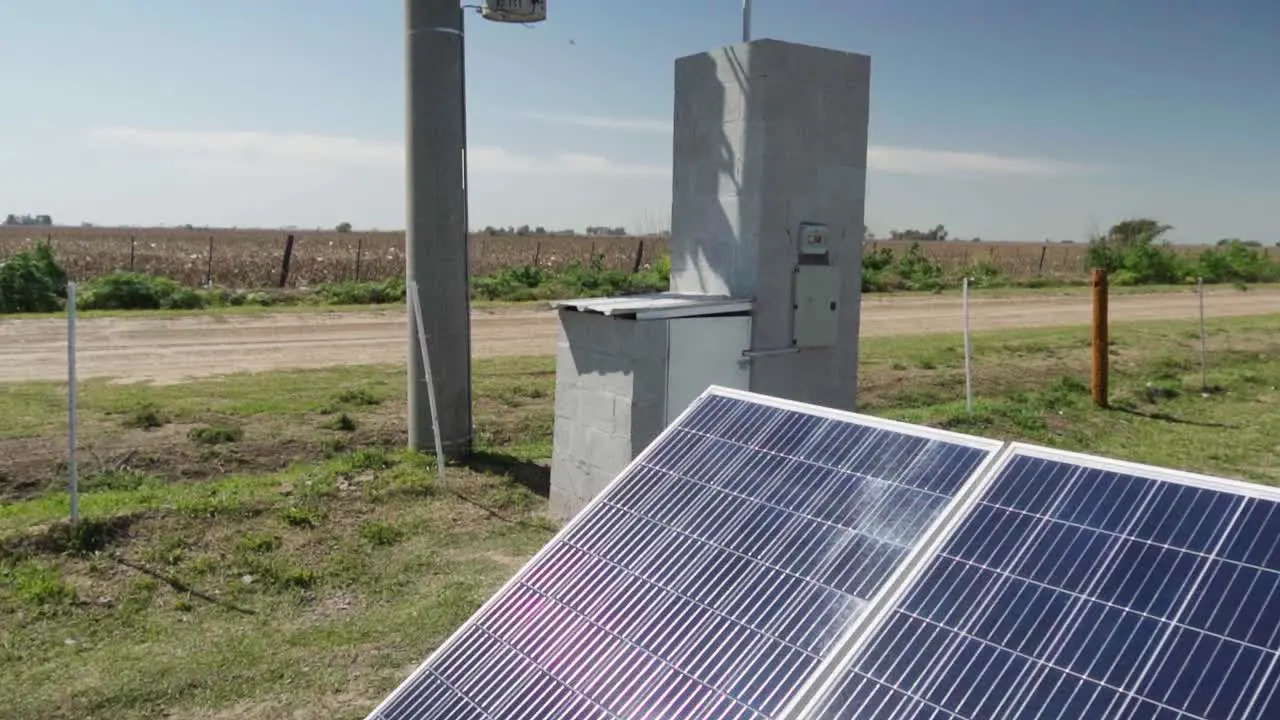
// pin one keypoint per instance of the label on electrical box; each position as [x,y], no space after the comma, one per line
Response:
[813,239]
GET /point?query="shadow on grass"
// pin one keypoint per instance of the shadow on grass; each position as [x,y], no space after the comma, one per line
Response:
[86,537]
[182,587]
[1166,417]
[532,476]
[515,373]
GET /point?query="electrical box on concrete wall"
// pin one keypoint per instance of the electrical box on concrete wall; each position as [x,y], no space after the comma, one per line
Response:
[815,290]
[813,240]
[625,368]
[817,306]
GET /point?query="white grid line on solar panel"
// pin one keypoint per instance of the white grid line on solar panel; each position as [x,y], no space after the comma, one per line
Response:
[744,586]
[817,428]
[794,528]
[813,495]
[1188,593]
[1134,518]
[779,430]
[603,668]
[622,660]
[468,687]
[1144,541]
[692,644]
[658,493]
[668,589]
[1150,493]
[1063,634]
[855,669]
[1104,603]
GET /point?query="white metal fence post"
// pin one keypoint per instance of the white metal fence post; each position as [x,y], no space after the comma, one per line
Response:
[72,386]
[968,354]
[416,309]
[1204,340]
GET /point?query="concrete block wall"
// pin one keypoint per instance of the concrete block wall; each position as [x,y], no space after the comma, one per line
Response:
[768,135]
[610,402]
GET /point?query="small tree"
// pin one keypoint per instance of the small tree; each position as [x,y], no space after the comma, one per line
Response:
[344,227]
[1134,250]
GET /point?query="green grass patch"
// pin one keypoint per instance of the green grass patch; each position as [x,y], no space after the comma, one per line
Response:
[249,614]
[1032,385]
[270,593]
[216,434]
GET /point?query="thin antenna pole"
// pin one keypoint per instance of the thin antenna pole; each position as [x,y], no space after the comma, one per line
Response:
[746,21]
[416,308]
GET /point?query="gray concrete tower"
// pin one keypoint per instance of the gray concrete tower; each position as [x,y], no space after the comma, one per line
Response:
[436,232]
[769,189]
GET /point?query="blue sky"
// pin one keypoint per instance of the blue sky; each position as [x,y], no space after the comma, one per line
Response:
[1001,119]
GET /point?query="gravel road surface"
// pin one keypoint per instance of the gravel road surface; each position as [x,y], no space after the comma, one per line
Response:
[167,350]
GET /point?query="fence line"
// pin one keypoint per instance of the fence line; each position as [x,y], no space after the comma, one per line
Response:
[251,259]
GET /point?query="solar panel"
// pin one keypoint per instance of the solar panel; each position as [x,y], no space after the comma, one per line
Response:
[711,578]
[1076,587]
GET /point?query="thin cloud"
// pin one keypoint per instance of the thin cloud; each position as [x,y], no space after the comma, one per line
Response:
[922,161]
[887,158]
[261,152]
[602,123]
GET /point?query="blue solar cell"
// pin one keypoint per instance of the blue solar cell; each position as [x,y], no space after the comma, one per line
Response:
[1070,590]
[711,580]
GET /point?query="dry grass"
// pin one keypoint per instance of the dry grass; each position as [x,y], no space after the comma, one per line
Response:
[252,258]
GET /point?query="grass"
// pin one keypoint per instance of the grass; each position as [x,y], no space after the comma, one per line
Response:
[311,589]
[483,305]
[1033,385]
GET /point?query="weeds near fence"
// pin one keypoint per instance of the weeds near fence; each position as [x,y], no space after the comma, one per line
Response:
[151,270]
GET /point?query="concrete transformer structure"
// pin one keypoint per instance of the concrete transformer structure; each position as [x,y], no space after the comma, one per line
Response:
[769,185]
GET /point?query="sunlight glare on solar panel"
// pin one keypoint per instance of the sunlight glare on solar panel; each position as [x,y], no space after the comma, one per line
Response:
[1082,588]
[711,578]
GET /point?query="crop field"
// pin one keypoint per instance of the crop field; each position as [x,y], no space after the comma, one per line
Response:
[261,546]
[253,258]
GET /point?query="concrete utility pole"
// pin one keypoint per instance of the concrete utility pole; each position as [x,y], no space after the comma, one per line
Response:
[436,228]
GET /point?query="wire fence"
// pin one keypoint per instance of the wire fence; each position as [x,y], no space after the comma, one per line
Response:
[255,259]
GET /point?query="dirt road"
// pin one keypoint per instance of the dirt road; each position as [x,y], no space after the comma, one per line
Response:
[166,350]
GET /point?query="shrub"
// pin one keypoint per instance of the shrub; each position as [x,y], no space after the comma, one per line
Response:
[135,291]
[1132,251]
[32,281]
[341,423]
[364,293]
[216,434]
[380,533]
[984,273]
[919,271]
[117,480]
[146,416]
[1236,261]
[515,283]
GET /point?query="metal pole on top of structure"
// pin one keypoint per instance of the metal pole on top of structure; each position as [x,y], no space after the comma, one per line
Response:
[746,21]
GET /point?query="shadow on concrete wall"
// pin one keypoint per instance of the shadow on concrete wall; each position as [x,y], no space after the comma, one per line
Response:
[704,237]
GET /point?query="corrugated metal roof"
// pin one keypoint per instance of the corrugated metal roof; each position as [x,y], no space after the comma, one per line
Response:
[658,305]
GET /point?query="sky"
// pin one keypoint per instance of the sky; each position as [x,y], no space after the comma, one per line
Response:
[998,119]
